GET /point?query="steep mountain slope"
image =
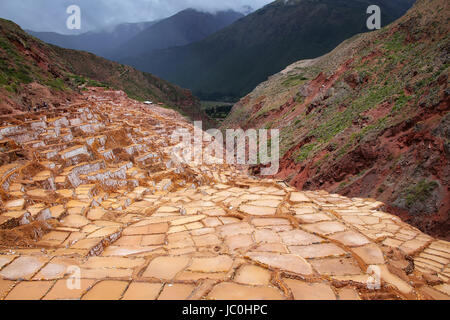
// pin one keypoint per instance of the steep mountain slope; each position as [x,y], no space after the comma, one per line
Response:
[183,28]
[369,119]
[102,43]
[231,62]
[32,72]
[133,39]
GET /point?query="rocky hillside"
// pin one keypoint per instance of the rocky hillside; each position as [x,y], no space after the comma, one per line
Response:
[132,39]
[369,119]
[33,72]
[231,62]
[100,187]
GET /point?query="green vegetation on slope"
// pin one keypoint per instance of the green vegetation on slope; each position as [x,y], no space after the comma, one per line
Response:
[231,62]
[25,59]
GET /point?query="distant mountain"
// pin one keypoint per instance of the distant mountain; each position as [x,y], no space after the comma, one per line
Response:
[132,39]
[32,72]
[231,62]
[371,119]
[183,28]
[101,42]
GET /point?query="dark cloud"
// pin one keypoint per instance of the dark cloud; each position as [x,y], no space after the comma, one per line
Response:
[50,15]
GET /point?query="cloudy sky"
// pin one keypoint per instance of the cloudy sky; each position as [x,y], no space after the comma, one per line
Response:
[50,15]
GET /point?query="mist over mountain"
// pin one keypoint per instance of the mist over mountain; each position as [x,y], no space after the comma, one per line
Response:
[131,39]
[370,119]
[101,42]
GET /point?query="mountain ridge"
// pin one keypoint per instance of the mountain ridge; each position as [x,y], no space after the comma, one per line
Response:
[187,26]
[99,42]
[33,72]
[231,62]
